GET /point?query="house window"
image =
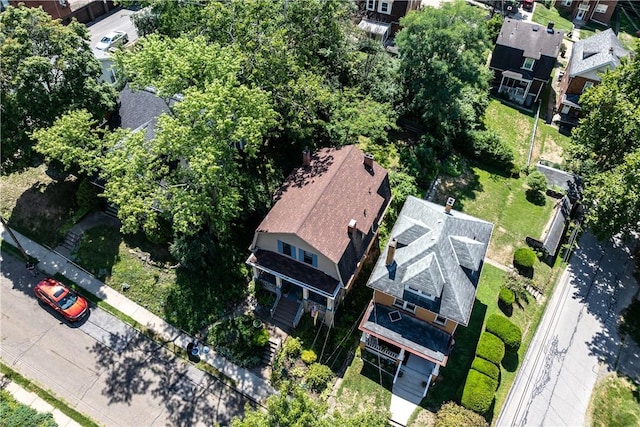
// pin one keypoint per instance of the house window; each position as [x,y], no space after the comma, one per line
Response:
[422,294]
[308,257]
[587,85]
[528,63]
[371,4]
[407,306]
[286,249]
[567,3]
[602,8]
[441,320]
[384,7]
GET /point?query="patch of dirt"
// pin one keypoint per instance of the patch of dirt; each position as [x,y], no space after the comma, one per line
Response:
[502,254]
[552,152]
[451,185]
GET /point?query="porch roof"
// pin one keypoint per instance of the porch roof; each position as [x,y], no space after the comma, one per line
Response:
[373,27]
[516,75]
[414,335]
[302,274]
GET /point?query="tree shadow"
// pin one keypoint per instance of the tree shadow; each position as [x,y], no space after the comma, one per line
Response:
[133,365]
[99,250]
[510,361]
[536,197]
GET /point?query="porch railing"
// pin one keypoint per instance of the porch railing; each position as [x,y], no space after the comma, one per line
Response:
[275,304]
[298,316]
[372,343]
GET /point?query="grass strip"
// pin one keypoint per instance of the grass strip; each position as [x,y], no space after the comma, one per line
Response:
[47,396]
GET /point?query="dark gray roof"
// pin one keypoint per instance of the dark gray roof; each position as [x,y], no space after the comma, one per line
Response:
[533,39]
[438,259]
[596,52]
[570,183]
[407,332]
[558,224]
[140,108]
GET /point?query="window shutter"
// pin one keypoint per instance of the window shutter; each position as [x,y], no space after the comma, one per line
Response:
[315,260]
[293,252]
[280,250]
[301,255]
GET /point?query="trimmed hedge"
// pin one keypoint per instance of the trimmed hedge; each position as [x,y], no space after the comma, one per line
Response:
[506,296]
[485,367]
[490,347]
[524,257]
[452,415]
[479,391]
[506,330]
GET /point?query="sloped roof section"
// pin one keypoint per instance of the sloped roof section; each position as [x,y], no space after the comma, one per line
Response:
[425,275]
[595,53]
[317,202]
[410,231]
[454,247]
[533,39]
[469,252]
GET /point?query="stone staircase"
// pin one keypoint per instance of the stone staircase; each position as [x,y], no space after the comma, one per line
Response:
[111,210]
[270,351]
[410,386]
[71,240]
[285,313]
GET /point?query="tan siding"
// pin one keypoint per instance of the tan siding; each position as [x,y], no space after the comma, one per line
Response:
[421,313]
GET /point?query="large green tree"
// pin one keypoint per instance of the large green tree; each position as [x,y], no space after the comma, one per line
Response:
[47,69]
[443,68]
[605,150]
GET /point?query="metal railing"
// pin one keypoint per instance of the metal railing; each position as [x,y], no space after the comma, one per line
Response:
[275,304]
[372,343]
[298,316]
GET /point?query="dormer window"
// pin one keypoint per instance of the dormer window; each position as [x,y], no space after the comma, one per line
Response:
[384,7]
[405,305]
[417,291]
[286,249]
[528,63]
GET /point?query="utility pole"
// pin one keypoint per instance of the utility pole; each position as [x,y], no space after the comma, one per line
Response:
[13,236]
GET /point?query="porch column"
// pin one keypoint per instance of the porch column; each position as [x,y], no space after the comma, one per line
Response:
[278,285]
[329,304]
[400,357]
[501,83]
[526,92]
[305,298]
[256,272]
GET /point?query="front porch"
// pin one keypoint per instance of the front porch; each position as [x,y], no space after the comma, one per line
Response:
[516,87]
[293,286]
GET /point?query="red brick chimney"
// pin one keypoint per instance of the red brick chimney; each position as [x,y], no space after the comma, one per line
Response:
[449,205]
[368,161]
[306,157]
[391,251]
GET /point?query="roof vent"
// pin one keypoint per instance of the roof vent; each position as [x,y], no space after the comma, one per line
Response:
[535,28]
[394,316]
[352,226]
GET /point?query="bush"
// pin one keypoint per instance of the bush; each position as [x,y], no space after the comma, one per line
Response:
[506,296]
[237,339]
[292,347]
[485,367]
[506,330]
[260,337]
[524,257]
[452,415]
[15,413]
[87,197]
[536,181]
[479,391]
[490,347]
[491,149]
[318,377]
[518,286]
[309,356]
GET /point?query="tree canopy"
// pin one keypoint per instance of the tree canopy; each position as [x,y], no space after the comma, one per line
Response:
[606,150]
[47,70]
[443,67]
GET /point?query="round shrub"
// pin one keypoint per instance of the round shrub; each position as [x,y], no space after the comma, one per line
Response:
[318,377]
[524,257]
[490,347]
[292,347]
[479,391]
[486,367]
[536,181]
[452,415]
[506,330]
[506,296]
[260,337]
[309,356]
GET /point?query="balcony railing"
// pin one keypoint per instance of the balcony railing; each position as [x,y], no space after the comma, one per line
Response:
[372,343]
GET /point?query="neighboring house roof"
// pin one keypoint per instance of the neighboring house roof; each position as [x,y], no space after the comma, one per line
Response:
[317,202]
[519,39]
[570,183]
[558,224]
[592,54]
[533,39]
[140,108]
[438,253]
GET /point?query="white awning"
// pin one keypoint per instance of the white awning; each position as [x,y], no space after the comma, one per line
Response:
[373,27]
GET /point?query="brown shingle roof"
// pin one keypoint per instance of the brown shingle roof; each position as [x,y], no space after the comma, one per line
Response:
[318,201]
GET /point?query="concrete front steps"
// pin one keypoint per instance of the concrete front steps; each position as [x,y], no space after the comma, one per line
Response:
[285,313]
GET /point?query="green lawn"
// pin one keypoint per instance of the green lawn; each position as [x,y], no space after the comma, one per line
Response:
[542,16]
[628,28]
[615,402]
[513,126]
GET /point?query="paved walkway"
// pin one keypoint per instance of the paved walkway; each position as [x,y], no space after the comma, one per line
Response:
[51,262]
[32,400]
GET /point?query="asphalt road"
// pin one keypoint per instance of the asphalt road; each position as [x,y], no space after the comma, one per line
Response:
[101,366]
[576,341]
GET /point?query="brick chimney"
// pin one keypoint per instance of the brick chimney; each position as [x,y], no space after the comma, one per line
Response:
[306,157]
[368,161]
[550,27]
[449,205]
[391,251]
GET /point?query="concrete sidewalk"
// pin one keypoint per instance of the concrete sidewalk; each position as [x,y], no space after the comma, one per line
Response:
[51,262]
[36,403]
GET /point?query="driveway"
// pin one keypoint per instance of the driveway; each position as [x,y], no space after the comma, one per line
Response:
[576,341]
[102,367]
[117,20]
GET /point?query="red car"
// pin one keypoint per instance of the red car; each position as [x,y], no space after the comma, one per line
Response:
[62,299]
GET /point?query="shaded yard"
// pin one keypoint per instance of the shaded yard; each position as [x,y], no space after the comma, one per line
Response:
[615,402]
